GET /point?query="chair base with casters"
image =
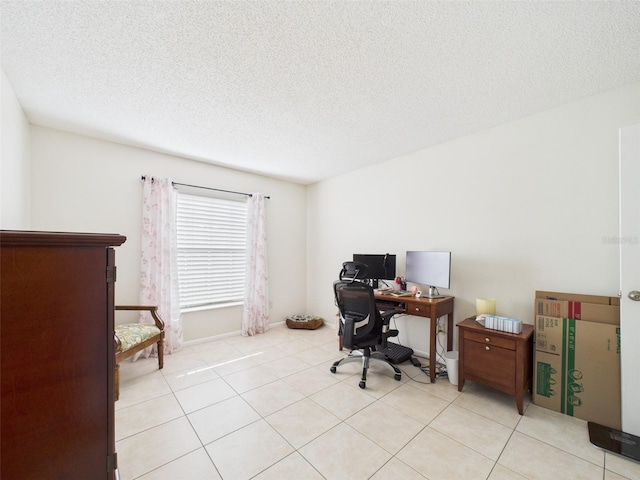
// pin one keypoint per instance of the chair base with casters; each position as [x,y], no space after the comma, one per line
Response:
[132,338]
[366,357]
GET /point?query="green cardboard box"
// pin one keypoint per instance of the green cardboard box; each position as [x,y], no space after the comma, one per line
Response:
[577,369]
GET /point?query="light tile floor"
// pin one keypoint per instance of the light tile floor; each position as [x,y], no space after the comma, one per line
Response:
[267,407]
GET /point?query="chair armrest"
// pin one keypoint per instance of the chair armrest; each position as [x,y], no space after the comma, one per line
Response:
[347,332]
[387,314]
[117,342]
[388,334]
[149,308]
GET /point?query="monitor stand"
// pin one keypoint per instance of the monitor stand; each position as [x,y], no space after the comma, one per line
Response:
[615,441]
[433,293]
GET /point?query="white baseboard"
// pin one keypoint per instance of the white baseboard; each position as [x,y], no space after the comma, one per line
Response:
[222,336]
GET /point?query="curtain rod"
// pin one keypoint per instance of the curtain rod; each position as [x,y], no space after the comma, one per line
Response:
[210,188]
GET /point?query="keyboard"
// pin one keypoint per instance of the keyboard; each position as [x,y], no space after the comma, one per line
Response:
[401,293]
[388,305]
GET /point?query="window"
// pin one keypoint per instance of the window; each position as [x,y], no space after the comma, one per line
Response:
[211,250]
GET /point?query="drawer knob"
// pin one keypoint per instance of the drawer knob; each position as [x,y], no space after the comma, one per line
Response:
[487,339]
[417,309]
[487,347]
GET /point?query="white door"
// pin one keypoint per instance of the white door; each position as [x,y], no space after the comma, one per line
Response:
[630,277]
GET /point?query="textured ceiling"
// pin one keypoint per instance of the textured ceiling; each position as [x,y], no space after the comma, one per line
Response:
[306,90]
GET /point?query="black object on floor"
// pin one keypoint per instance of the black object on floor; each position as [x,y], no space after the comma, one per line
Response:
[615,441]
[397,353]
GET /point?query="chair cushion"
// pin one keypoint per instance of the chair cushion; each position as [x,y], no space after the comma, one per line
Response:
[132,334]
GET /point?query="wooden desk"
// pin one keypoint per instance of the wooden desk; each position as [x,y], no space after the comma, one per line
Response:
[497,359]
[432,308]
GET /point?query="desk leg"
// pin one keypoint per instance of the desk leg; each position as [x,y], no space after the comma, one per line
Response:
[433,352]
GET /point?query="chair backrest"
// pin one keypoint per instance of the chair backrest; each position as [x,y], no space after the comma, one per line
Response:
[358,310]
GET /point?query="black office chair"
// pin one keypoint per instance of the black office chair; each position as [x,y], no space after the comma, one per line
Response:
[364,329]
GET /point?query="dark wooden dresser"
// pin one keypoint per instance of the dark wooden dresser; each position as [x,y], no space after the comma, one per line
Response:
[500,360]
[57,355]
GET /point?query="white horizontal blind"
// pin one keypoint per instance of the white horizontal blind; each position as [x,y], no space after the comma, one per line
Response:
[211,250]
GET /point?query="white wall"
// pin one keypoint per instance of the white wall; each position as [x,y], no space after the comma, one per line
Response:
[14,163]
[524,206]
[87,185]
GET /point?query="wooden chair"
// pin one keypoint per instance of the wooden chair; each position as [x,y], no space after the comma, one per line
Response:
[132,338]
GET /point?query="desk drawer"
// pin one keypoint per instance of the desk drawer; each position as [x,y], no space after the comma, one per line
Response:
[418,310]
[491,339]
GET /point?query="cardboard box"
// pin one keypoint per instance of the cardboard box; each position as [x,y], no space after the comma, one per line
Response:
[583,378]
[576,297]
[577,360]
[579,307]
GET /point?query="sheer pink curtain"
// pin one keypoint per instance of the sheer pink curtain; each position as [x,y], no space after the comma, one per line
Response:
[255,317]
[159,268]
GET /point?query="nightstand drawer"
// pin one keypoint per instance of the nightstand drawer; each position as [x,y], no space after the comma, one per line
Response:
[494,365]
[487,338]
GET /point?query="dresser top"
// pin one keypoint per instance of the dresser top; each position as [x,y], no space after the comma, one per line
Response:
[36,238]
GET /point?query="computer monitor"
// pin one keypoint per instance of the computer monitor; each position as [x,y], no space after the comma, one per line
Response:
[380,266]
[432,269]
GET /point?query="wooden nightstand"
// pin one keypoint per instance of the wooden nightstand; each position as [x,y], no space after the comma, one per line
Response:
[497,359]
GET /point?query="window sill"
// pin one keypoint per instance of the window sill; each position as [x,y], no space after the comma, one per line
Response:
[211,307]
